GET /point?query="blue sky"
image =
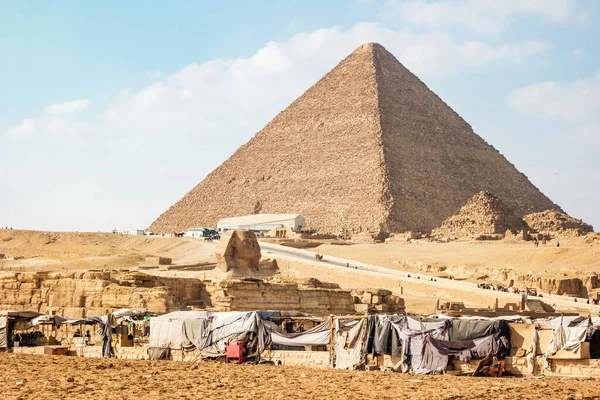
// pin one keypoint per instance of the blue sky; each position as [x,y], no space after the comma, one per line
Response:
[110,112]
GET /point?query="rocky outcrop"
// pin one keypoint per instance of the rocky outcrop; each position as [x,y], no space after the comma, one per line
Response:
[76,294]
[510,278]
[368,148]
[555,223]
[79,294]
[484,216]
[377,300]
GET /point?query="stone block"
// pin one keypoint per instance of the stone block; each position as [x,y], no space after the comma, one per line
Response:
[361,308]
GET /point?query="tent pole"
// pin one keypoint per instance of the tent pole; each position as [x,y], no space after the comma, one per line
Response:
[331,340]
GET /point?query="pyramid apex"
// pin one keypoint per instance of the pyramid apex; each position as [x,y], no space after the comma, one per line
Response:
[370,46]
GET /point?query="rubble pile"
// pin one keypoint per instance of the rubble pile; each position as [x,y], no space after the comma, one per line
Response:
[484,217]
[554,223]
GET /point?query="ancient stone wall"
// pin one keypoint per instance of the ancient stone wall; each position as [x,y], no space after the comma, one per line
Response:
[377,301]
[77,294]
[248,295]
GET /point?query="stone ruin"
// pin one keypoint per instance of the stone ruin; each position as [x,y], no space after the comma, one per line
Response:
[552,223]
[376,300]
[305,295]
[484,217]
[78,294]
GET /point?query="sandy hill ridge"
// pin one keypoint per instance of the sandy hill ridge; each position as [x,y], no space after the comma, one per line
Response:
[367,148]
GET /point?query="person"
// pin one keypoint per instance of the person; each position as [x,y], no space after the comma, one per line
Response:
[77,333]
[557,243]
[588,301]
[88,336]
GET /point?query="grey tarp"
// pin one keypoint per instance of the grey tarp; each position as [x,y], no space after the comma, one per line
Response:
[206,331]
[105,322]
[349,339]
[468,329]
[424,358]
[319,335]
[230,327]
[166,331]
[465,349]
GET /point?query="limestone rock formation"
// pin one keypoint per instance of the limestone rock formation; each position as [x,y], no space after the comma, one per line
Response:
[238,250]
[77,294]
[256,294]
[368,148]
[554,222]
[483,217]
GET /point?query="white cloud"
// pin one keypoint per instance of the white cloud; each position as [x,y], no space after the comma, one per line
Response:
[201,96]
[481,16]
[67,107]
[571,101]
[24,130]
[203,112]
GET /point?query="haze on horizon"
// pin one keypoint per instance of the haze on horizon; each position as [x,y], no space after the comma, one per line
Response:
[108,115]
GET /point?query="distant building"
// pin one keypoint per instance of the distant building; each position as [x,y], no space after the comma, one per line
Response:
[195,232]
[136,232]
[262,223]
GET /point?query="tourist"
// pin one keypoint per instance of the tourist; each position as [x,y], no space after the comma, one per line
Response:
[77,333]
[557,243]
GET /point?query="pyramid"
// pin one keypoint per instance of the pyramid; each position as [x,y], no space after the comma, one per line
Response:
[483,217]
[368,148]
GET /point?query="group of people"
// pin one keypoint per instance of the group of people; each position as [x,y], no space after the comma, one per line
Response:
[500,288]
[536,242]
[88,335]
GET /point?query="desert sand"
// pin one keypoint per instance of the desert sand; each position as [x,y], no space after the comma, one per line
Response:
[572,259]
[48,251]
[55,377]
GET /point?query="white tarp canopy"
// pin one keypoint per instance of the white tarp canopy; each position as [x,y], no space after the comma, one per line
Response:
[319,335]
[206,331]
[166,331]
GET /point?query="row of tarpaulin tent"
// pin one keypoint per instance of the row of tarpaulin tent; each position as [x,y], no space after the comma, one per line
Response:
[422,346]
[209,332]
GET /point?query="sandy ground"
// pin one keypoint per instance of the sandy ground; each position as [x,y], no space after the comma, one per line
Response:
[47,251]
[571,259]
[56,377]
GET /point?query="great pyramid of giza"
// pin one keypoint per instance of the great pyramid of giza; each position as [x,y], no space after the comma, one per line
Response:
[368,148]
